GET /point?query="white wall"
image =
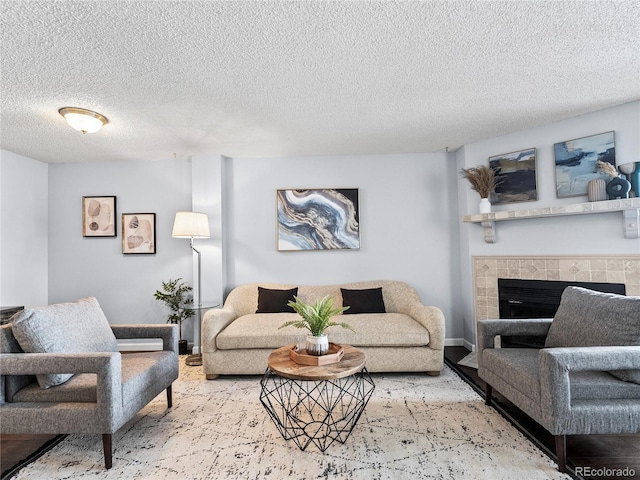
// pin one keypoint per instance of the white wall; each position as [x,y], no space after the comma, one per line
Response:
[123,284]
[590,234]
[23,231]
[408,218]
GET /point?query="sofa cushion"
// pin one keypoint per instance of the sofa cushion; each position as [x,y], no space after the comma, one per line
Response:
[275,301]
[368,300]
[374,329]
[586,318]
[74,327]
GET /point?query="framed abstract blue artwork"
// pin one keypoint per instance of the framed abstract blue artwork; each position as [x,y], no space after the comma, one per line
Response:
[318,219]
[576,162]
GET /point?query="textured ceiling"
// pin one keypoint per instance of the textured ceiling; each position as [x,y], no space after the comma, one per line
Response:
[271,78]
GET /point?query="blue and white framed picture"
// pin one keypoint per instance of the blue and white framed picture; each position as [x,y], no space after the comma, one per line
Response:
[576,162]
[517,170]
[318,219]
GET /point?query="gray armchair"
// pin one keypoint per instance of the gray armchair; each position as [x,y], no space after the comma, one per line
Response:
[586,379]
[105,389]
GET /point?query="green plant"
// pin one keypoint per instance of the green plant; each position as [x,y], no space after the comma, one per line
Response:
[482,179]
[175,295]
[315,318]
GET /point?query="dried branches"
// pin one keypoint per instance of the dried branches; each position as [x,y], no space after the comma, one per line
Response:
[482,179]
[607,169]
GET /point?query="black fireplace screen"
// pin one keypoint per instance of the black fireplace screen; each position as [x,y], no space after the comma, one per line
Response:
[538,299]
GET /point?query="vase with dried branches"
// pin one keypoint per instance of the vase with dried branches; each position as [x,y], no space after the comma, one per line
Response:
[483,180]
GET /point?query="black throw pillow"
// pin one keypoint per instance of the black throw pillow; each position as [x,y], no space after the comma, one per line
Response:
[275,301]
[368,300]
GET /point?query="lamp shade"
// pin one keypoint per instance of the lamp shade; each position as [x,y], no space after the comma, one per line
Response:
[191,225]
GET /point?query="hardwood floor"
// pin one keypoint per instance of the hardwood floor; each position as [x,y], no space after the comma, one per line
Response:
[594,452]
[14,449]
[591,454]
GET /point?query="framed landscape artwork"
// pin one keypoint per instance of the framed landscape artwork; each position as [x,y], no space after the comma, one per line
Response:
[517,170]
[138,233]
[318,219]
[98,216]
[576,162]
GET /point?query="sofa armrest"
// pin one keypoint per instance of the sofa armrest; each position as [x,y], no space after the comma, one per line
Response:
[555,364]
[487,330]
[106,365]
[213,322]
[168,333]
[432,319]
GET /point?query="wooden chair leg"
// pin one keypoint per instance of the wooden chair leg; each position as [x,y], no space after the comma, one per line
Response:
[169,397]
[488,391]
[106,446]
[561,452]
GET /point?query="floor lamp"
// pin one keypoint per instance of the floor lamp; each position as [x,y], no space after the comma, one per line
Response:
[193,225]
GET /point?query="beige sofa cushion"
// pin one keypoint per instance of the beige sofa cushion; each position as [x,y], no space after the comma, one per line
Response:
[372,330]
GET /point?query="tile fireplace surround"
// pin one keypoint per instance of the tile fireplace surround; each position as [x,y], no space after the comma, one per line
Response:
[592,268]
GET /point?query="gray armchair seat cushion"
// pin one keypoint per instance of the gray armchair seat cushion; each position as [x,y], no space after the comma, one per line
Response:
[586,318]
[140,372]
[74,327]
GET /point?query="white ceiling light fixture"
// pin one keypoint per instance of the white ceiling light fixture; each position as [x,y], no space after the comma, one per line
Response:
[83,120]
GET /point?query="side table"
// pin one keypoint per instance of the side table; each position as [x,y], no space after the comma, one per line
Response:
[316,404]
[196,359]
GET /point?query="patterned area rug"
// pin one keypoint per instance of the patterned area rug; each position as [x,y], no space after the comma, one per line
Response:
[414,426]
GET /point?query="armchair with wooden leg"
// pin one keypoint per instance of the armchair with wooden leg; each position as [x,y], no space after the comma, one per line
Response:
[61,372]
[586,379]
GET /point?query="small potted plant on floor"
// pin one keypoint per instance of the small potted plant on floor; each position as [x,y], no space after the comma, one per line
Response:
[175,294]
[316,319]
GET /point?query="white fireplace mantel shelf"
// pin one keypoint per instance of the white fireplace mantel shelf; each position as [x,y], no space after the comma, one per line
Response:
[630,208]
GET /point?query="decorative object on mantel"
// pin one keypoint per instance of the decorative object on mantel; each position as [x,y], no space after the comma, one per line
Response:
[632,171]
[316,318]
[576,159]
[483,180]
[617,187]
[517,170]
[597,190]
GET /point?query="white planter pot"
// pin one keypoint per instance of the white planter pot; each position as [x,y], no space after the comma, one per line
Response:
[485,205]
[317,345]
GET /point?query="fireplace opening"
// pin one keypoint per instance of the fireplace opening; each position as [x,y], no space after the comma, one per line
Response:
[538,299]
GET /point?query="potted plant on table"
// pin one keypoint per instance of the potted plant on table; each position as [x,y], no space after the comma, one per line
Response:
[175,294]
[316,318]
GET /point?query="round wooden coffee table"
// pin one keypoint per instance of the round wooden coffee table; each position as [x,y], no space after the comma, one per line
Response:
[316,404]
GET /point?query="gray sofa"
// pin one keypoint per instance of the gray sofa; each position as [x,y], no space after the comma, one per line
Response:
[62,372]
[407,337]
[586,380]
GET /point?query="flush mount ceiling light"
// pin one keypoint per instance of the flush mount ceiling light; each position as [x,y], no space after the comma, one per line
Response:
[83,120]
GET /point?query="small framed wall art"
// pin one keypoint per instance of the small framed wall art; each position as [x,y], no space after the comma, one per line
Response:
[517,170]
[576,162]
[98,216]
[138,233]
[318,219]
